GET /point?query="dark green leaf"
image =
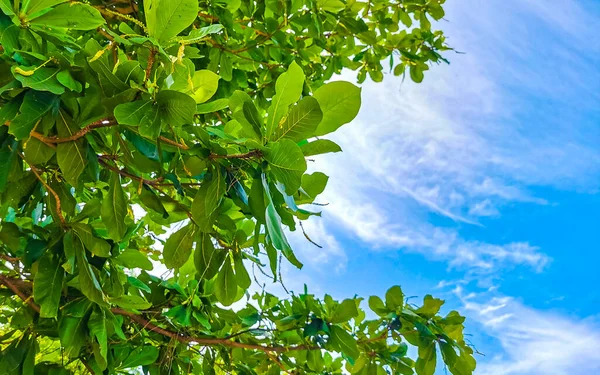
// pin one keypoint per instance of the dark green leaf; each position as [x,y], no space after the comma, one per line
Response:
[341,340]
[344,311]
[208,260]
[178,247]
[47,285]
[287,163]
[165,19]
[226,284]
[71,156]
[74,16]
[114,208]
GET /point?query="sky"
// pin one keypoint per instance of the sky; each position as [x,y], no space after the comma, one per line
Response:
[481,186]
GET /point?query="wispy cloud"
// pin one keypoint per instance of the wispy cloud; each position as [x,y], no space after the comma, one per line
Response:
[533,342]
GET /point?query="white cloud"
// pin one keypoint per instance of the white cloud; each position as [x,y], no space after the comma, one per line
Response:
[329,256]
[461,145]
[533,342]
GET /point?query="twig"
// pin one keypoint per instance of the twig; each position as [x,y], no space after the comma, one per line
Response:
[104,123]
[10,285]
[153,53]
[124,173]
[308,238]
[36,172]
[173,143]
[247,155]
[207,341]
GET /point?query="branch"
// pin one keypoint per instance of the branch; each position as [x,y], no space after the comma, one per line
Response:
[36,172]
[207,341]
[122,172]
[153,53]
[173,143]
[104,123]
[9,283]
[247,155]
[204,341]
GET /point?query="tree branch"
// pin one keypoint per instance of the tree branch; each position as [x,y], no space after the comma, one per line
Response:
[122,172]
[36,172]
[11,285]
[104,123]
[173,143]
[247,155]
[204,341]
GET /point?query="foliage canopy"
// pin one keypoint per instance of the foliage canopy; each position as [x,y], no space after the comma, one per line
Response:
[199,115]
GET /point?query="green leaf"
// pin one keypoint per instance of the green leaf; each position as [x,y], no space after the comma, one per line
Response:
[35,105]
[301,121]
[340,102]
[207,259]
[319,146]
[141,356]
[97,327]
[416,73]
[197,34]
[9,110]
[132,113]
[206,84]
[241,274]
[98,60]
[344,311]
[71,156]
[34,6]
[288,88]
[211,107]
[427,360]
[178,247]
[134,259]
[66,79]
[47,285]
[165,19]
[394,298]
[176,107]
[72,333]
[252,116]
[276,235]
[8,156]
[204,215]
[431,306]
[226,284]
[287,164]
[97,246]
[226,68]
[215,190]
[114,209]
[333,6]
[343,341]
[137,283]
[88,282]
[40,79]
[378,307]
[131,302]
[152,202]
[237,100]
[37,152]
[74,16]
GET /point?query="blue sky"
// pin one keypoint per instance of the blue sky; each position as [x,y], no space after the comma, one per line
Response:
[481,185]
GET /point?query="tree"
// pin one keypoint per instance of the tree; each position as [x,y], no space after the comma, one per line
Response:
[171,135]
